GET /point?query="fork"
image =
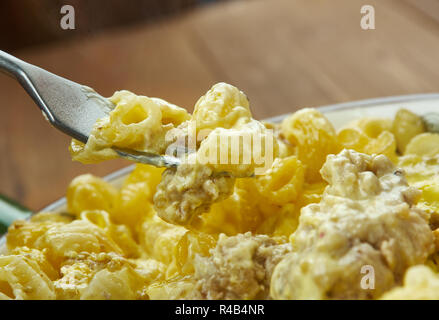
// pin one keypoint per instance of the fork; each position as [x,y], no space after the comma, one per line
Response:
[71,107]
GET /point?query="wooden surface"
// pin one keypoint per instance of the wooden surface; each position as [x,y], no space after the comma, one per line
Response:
[37,21]
[285,54]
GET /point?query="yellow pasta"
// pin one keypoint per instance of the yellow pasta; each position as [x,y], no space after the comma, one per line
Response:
[406,126]
[298,219]
[233,145]
[353,138]
[22,278]
[314,137]
[24,234]
[145,173]
[420,283]
[117,285]
[38,256]
[425,144]
[152,117]
[175,289]
[356,139]
[134,200]
[259,204]
[190,247]
[119,233]
[132,204]
[372,127]
[100,276]
[78,236]
[87,192]
[223,106]
[383,144]
[422,173]
[282,183]
[158,239]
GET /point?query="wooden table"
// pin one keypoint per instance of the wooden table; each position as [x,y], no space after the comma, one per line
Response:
[285,54]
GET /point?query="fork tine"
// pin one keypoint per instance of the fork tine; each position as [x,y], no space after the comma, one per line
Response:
[148,158]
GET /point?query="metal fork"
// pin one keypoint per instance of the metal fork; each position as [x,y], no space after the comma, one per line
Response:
[71,107]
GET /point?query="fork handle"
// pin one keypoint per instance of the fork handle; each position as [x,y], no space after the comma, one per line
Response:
[12,66]
[19,70]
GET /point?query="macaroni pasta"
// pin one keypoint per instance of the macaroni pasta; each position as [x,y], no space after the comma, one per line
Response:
[255,210]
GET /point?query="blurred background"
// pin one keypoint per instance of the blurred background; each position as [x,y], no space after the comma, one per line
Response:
[285,54]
